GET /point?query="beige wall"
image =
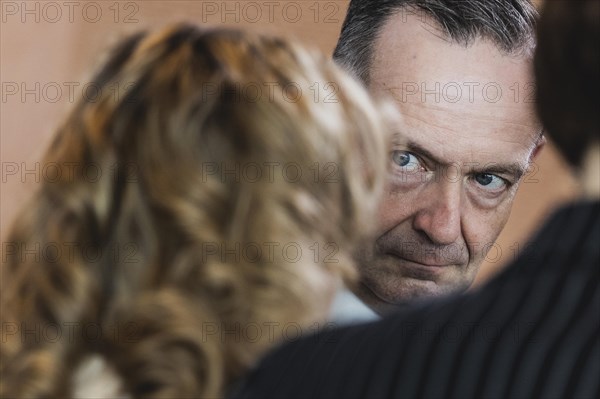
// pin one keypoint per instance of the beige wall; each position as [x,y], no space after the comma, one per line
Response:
[46,45]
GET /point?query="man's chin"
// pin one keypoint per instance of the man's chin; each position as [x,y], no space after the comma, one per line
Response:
[385,300]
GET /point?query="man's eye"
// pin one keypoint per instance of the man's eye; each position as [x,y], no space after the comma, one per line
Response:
[406,160]
[490,182]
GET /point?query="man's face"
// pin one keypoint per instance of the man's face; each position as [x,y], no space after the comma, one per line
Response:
[467,133]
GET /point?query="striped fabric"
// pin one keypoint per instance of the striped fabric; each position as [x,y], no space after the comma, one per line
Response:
[532,332]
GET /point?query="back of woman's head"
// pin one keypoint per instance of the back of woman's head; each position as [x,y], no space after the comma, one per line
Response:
[208,196]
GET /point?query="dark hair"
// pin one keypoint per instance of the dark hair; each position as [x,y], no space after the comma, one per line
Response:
[567,62]
[510,24]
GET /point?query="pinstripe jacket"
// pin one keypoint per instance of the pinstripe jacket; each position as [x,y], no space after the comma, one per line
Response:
[533,331]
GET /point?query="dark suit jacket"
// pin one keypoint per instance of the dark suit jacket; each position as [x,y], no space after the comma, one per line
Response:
[533,331]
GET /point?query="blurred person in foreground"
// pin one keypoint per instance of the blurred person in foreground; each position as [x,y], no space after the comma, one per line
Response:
[460,74]
[166,273]
[534,330]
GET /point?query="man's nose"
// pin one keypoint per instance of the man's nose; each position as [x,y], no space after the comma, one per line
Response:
[439,216]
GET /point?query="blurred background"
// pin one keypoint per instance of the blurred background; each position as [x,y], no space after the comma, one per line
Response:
[48,50]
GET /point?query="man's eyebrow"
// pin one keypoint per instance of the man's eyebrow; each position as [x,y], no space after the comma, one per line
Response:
[415,147]
[514,169]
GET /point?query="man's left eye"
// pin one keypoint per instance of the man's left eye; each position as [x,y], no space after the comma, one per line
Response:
[489,181]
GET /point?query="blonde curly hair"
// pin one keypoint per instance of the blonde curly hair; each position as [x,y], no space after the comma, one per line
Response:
[232,177]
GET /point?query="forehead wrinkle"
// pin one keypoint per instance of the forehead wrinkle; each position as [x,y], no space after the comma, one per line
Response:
[427,122]
[462,115]
[426,119]
[413,137]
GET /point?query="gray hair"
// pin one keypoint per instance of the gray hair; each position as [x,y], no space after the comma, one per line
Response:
[509,24]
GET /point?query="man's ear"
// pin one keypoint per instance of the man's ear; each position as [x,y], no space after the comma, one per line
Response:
[541,143]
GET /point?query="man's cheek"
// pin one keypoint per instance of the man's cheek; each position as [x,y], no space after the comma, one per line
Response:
[498,219]
[389,215]
[481,231]
[396,206]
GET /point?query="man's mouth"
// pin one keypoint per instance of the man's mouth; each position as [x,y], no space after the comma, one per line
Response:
[433,263]
[419,269]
